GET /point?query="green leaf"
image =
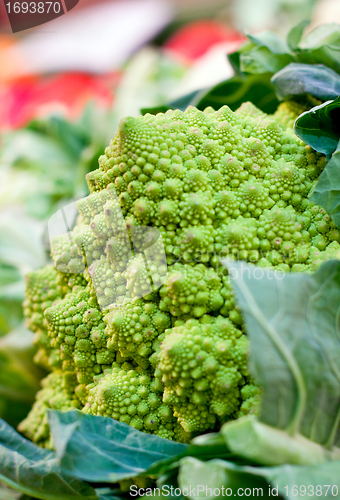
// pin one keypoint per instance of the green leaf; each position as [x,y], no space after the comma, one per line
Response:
[298,79]
[261,60]
[290,481]
[206,480]
[271,41]
[295,34]
[35,471]
[327,190]
[264,53]
[320,127]
[118,451]
[233,92]
[292,324]
[265,445]
[267,53]
[299,482]
[321,36]
[327,55]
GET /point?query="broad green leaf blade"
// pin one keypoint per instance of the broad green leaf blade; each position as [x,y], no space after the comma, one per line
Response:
[321,46]
[264,53]
[320,127]
[35,471]
[292,321]
[327,190]
[261,60]
[118,451]
[262,444]
[295,34]
[323,35]
[271,41]
[300,482]
[298,79]
[233,92]
[199,480]
[290,481]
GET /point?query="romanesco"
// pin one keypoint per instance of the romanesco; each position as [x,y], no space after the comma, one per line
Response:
[140,322]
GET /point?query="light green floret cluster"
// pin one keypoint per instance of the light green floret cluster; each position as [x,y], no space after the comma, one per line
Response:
[57,394]
[138,316]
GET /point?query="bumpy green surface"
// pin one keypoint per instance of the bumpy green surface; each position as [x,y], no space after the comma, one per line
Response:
[144,318]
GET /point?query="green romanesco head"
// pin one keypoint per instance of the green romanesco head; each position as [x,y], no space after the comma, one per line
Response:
[139,312]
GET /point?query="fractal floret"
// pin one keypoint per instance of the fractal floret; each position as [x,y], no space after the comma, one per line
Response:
[136,320]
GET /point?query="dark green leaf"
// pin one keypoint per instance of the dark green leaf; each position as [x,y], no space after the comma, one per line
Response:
[235,61]
[107,494]
[118,451]
[187,100]
[26,497]
[298,79]
[320,127]
[35,471]
[327,190]
[295,34]
[233,92]
[293,319]
[155,110]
